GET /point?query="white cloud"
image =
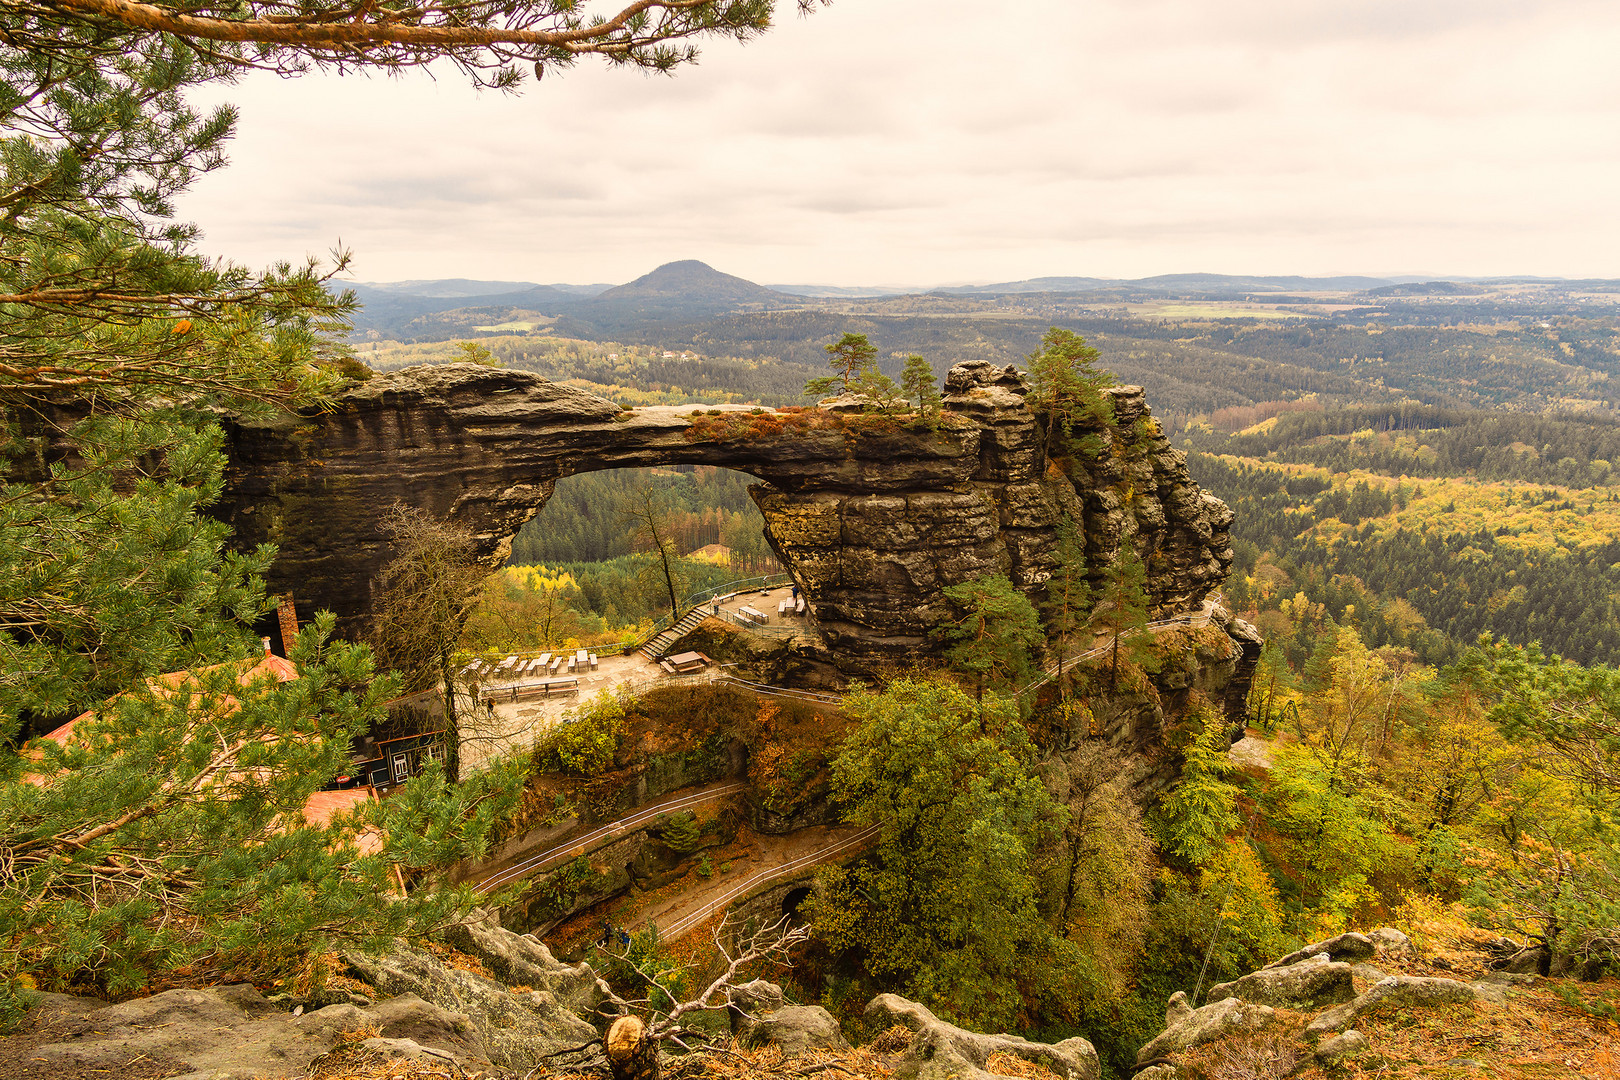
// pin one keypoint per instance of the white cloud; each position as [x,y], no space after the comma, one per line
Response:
[943,140]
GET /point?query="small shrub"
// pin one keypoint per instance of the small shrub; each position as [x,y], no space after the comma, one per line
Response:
[587,739]
[681,832]
[705,868]
[646,961]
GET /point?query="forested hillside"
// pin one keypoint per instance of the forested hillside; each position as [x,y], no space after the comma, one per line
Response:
[1196,357]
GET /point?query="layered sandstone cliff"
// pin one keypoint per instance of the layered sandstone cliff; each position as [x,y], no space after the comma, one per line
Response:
[873,519]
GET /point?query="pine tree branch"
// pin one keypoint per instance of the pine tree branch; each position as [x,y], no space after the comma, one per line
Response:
[352,30]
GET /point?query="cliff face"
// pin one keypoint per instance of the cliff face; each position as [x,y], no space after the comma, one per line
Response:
[873,520]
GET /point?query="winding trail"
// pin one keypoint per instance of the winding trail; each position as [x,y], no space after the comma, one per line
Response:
[695,917]
[580,845]
[708,906]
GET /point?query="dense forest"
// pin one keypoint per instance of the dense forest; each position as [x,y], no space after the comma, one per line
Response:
[579,570]
[1427,526]
[1192,366]
[584,520]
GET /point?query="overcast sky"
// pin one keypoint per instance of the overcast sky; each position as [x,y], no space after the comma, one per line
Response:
[924,142]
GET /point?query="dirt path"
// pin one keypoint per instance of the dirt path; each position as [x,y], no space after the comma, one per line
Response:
[523,864]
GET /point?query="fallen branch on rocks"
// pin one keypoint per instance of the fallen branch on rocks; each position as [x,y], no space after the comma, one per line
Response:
[632,1044]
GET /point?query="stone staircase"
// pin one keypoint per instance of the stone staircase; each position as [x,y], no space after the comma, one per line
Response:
[657,645]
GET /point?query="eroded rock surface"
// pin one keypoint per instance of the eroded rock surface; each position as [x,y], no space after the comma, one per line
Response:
[1186,1027]
[940,1050]
[1308,984]
[524,960]
[760,1016]
[233,1033]
[1346,947]
[1395,990]
[518,1030]
[873,521]
[1303,982]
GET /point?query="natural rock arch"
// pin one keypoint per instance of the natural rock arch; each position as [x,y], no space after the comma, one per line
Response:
[872,520]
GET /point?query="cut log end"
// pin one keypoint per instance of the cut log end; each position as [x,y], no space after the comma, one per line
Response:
[631,1055]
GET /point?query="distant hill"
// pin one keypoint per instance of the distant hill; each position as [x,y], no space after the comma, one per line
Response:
[389,310]
[674,292]
[1169,285]
[447,287]
[1028,285]
[845,292]
[677,291]
[1429,288]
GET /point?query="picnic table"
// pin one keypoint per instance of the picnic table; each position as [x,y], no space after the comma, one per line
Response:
[687,661]
[539,688]
[753,615]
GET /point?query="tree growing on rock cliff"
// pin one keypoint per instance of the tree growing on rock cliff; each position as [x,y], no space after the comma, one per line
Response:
[1068,593]
[996,636]
[1121,611]
[1065,388]
[919,383]
[854,361]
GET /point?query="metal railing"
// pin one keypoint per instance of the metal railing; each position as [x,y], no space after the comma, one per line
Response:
[779,630]
[732,588]
[769,876]
[704,596]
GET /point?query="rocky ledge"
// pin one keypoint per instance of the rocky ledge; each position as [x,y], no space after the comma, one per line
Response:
[872,517]
[1304,1005]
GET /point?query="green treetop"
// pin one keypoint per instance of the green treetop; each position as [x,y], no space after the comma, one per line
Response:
[918,383]
[1066,389]
[1068,592]
[169,830]
[996,634]
[946,911]
[854,361]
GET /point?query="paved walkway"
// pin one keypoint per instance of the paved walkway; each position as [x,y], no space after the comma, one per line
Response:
[692,908]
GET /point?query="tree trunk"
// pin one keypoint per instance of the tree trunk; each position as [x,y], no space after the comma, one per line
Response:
[631,1055]
[452,722]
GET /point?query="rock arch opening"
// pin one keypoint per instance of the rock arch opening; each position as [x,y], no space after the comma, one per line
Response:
[872,517]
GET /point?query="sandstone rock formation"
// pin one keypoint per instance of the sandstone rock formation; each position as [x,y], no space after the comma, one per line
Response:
[939,1050]
[1308,984]
[1186,1027]
[1396,990]
[872,520]
[1303,981]
[518,1030]
[761,1016]
[233,1033]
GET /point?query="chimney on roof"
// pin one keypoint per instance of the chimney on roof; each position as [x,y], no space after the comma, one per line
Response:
[266,642]
[287,613]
